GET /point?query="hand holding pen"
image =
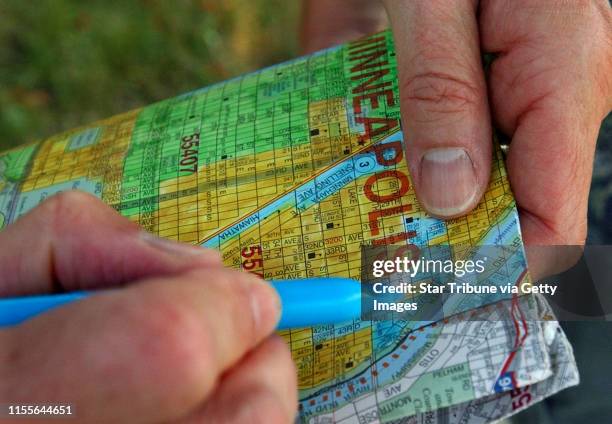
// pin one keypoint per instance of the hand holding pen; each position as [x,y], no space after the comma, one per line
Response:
[179,336]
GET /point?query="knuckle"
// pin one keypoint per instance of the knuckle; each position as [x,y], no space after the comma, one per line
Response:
[173,338]
[234,288]
[68,200]
[438,94]
[63,209]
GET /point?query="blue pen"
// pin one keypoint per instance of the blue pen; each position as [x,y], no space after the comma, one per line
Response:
[306,302]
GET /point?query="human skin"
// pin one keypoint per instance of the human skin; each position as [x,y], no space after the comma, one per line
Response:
[180,338]
[548,90]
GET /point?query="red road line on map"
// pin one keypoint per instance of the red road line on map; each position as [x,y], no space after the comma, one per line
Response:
[517,343]
[362,380]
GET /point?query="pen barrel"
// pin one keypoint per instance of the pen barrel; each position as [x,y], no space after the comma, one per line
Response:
[15,310]
[318,301]
[306,302]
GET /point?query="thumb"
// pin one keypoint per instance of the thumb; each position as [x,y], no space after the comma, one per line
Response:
[444,105]
[73,241]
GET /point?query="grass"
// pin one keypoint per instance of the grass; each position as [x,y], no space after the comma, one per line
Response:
[64,63]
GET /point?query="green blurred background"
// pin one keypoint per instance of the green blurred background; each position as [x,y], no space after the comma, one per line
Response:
[65,63]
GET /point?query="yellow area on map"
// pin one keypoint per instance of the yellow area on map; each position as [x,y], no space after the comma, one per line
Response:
[54,163]
[234,187]
[318,362]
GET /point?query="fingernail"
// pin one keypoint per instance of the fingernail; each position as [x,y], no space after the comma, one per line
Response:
[174,247]
[447,181]
[265,303]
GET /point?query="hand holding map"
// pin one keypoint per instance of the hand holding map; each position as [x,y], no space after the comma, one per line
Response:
[548,90]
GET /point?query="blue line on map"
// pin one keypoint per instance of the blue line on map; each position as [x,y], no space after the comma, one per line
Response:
[309,193]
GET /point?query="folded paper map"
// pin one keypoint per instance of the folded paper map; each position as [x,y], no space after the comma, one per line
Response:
[288,171]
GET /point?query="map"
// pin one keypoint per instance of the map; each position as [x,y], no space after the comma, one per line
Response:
[288,171]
